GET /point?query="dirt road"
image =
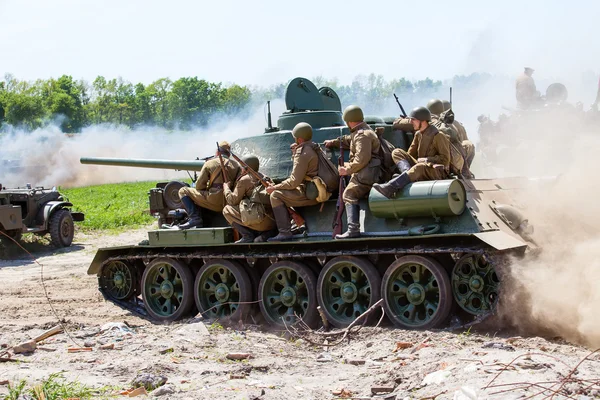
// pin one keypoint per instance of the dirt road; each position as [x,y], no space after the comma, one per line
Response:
[192,356]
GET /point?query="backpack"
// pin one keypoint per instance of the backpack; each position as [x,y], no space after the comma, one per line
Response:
[388,166]
[327,171]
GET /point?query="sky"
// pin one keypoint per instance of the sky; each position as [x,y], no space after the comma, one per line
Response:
[267,41]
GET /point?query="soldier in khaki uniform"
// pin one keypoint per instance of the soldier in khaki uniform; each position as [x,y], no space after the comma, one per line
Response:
[428,157]
[292,191]
[467,145]
[244,186]
[208,192]
[527,94]
[364,166]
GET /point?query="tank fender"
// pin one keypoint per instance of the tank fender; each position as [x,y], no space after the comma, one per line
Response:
[52,206]
[96,265]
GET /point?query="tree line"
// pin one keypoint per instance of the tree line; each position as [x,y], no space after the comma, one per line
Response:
[182,104]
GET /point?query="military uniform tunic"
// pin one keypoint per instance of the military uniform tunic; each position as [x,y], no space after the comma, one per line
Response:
[526,91]
[364,165]
[208,192]
[433,146]
[467,145]
[292,191]
[243,189]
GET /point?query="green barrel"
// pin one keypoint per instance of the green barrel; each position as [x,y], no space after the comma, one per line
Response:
[178,165]
[421,199]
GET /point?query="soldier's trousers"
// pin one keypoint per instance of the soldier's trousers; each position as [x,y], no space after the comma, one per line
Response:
[232,215]
[291,198]
[355,191]
[469,149]
[418,171]
[212,199]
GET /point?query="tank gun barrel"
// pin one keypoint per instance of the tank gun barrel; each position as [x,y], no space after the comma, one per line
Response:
[178,165]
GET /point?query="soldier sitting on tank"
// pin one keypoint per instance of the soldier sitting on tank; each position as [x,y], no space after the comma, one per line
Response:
[208,191]
[364,166]
[428,157]
[527,94]
[467,145]
[292,191]
[245,213]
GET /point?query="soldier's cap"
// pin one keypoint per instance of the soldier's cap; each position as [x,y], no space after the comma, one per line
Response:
[224,146]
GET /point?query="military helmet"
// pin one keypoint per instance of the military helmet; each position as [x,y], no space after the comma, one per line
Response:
[302,131]
[421,114]
[353,114]
[446,105]
[435,106]
[252,161]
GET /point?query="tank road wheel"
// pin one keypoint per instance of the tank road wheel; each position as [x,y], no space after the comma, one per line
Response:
[219,288]
[475,284]
[168,288]
[119,280]
[416,293]
[287,290]
[61,229]
[348,286]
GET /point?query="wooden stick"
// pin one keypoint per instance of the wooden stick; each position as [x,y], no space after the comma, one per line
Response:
[48,333]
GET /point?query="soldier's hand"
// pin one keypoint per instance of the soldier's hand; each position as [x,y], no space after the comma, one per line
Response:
[270,189]
[293,147]
[329,143]
[343,171]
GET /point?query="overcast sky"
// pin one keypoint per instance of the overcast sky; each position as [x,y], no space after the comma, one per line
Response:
[268,41]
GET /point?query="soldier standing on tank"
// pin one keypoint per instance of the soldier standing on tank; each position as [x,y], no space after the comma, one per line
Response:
[244,187]
[364,166]
[292,191]
[208,191]
[527,94]
[428,157]
[467,145]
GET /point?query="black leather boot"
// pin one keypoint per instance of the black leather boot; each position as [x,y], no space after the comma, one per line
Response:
[390,189]
[247,233]
[282,218]
[264,236]
[353,214]
[193,211]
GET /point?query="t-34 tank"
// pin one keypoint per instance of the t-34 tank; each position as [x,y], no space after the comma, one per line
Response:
[436,245]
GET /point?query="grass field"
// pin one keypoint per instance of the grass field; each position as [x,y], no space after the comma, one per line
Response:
[113,206]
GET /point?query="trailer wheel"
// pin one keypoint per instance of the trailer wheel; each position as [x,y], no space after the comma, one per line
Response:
[171,195]
[417,293]
[62,228]
[168,289]
[223,290]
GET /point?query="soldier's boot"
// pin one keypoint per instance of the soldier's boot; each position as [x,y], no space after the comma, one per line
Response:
[284,225]
[193,211]
[353,214]
[390,189]
[264,236]
[247,233]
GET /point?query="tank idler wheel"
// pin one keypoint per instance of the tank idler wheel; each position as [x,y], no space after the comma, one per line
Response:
[287,292]
[223,290]
[475,284]
[417,293]
[347,287]
[168,287]
[119,280]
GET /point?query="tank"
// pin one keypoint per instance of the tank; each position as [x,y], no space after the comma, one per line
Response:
[433,252]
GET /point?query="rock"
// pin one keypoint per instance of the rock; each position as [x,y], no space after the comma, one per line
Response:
[355,362]
[382,389]
[498,345]
[88,343]
[25,347]
[148,381]
[238,356]
[324,357]
[161,391]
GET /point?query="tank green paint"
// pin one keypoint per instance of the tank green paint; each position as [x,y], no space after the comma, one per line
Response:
[444,198]
[433,235]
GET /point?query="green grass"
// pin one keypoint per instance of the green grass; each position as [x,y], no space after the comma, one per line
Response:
[117,206]
[56,387]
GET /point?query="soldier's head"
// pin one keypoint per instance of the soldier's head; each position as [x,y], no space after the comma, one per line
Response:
[252,161]
[435,106]
[224,148]
[353,116]
[302,132]
[420,118]
[446,105]
[529,71]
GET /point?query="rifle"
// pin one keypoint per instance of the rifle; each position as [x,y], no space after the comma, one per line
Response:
[225,177]
[340,206]
[294,214]
[399,105]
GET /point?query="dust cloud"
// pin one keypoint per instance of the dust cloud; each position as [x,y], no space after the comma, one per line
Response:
[48,157]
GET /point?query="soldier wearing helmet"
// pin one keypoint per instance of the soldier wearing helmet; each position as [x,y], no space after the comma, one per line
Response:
[527,94]
[208,191]
[428,157]
[364,165]
[292,191]
[254,221]
[467,145]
